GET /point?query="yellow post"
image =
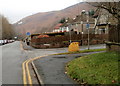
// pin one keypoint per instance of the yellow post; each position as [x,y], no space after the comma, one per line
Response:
[74,46]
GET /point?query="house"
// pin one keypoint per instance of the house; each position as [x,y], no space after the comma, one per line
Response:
[60,28]
[57,28]
[98,22]
[78,24]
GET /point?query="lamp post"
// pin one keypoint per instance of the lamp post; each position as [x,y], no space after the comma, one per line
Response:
[82,32]
[82,13]
[69,25]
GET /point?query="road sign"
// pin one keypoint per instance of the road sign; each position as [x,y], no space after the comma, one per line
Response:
[87,26]
[28,33]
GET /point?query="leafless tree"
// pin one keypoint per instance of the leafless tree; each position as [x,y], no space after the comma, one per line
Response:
[7,31]
[114,9]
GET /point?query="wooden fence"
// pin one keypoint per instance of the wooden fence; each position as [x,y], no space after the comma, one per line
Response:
[114,34]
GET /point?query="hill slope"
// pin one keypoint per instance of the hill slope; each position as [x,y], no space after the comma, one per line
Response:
[45,21]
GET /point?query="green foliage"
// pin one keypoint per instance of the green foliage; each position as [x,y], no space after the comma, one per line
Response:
[62,20]
[65,42]
[91,12]
[100,68]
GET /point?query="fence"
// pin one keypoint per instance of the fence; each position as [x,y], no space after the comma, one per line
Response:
[114,34]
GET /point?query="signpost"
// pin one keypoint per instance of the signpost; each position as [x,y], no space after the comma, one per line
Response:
[87,26]
[28,33]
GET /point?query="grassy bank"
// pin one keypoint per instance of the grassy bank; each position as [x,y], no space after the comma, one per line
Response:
[100,68]
[83,51]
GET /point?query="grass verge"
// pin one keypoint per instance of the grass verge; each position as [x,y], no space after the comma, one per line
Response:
[83,51]
[100,68]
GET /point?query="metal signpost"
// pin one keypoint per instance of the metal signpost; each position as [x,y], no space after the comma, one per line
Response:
[87,26]
[28,33]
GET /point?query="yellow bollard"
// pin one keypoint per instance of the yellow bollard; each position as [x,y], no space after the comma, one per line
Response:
[74,46]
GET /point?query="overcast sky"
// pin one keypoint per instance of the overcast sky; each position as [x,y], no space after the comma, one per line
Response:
[15,10]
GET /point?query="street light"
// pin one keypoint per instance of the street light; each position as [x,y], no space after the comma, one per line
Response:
[82,32]
[70,32]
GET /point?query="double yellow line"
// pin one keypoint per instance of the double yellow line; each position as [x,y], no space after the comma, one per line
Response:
[26,72]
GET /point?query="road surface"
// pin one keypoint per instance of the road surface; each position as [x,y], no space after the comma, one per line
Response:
[13,56]
[52,68]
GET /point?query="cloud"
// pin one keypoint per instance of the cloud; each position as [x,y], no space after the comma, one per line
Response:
[16,9]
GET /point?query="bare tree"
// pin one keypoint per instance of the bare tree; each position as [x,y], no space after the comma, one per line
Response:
[112,7]
[7,31]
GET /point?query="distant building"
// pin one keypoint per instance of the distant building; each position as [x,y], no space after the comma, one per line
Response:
[59,28]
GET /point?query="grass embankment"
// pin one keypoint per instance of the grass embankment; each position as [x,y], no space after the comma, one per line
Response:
[100,68]
[82,51]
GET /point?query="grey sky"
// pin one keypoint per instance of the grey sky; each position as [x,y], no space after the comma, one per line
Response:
[15,10]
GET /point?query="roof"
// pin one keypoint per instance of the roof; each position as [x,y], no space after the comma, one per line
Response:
[78,19]
[58,26]
[42,36]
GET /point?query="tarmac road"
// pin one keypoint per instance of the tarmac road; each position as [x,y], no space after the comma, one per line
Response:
[0,65]
[52,68]
[12,58]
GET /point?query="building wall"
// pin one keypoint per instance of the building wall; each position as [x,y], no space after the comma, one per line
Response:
[82,28]
[102,29]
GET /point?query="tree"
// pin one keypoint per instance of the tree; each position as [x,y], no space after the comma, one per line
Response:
[114,9]
[62,20]
[6,28]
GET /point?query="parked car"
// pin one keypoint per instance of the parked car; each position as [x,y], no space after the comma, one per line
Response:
[5,41]
[1,42]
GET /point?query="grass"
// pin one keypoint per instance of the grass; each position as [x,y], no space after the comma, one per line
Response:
[100,68]
[82,51]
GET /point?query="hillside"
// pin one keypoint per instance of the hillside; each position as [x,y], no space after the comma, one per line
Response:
[45,21]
